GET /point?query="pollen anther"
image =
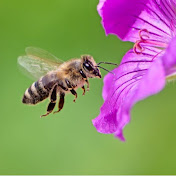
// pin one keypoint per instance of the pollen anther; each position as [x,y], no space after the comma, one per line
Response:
[144,38]
[137,48]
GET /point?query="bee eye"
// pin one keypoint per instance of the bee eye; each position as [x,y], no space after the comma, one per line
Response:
[87,66]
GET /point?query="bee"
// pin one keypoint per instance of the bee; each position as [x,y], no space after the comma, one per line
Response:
[55,77]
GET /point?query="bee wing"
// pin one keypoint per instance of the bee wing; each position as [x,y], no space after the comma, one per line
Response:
[38,52]
[38,62]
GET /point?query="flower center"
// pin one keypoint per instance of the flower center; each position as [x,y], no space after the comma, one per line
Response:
[144,39]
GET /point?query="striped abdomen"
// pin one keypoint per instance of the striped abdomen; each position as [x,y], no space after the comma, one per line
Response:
[39,90]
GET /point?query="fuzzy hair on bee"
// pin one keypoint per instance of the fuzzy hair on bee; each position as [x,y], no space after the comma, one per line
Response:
[56,77]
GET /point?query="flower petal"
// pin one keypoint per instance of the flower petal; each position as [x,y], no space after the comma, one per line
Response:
[99,7]
[169,58]
[125,18]
[137,77]
[107,85]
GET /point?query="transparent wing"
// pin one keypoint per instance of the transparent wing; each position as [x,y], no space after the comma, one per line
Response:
[37,62]
[38,52]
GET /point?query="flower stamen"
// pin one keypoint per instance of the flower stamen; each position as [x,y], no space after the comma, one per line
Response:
[144,38]
[142,35]
[137,48]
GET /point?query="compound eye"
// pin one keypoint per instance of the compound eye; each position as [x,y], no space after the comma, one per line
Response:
[88,66]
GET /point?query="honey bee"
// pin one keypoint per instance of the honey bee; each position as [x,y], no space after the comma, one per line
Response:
[55,77]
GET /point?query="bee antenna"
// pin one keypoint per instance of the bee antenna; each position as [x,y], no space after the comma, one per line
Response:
[105,69]
[110,63]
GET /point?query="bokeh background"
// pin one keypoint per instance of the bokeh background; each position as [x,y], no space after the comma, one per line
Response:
[67,143]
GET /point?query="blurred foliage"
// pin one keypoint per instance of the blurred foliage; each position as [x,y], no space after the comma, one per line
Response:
[67,143]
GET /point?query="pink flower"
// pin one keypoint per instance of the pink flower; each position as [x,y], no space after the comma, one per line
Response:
[143,71]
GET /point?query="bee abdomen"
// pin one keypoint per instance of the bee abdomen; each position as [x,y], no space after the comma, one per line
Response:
[35,93]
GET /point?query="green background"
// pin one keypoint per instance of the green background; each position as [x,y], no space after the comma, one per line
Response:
[67,143]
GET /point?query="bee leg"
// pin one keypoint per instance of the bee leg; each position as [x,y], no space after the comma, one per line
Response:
[49,109]
[74,93]
[71,89]
[63,87]
[52,103]
[85,78]
[83,88]
[87,82]
[61,102]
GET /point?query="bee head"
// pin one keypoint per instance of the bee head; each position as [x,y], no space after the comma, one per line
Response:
[90,67]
